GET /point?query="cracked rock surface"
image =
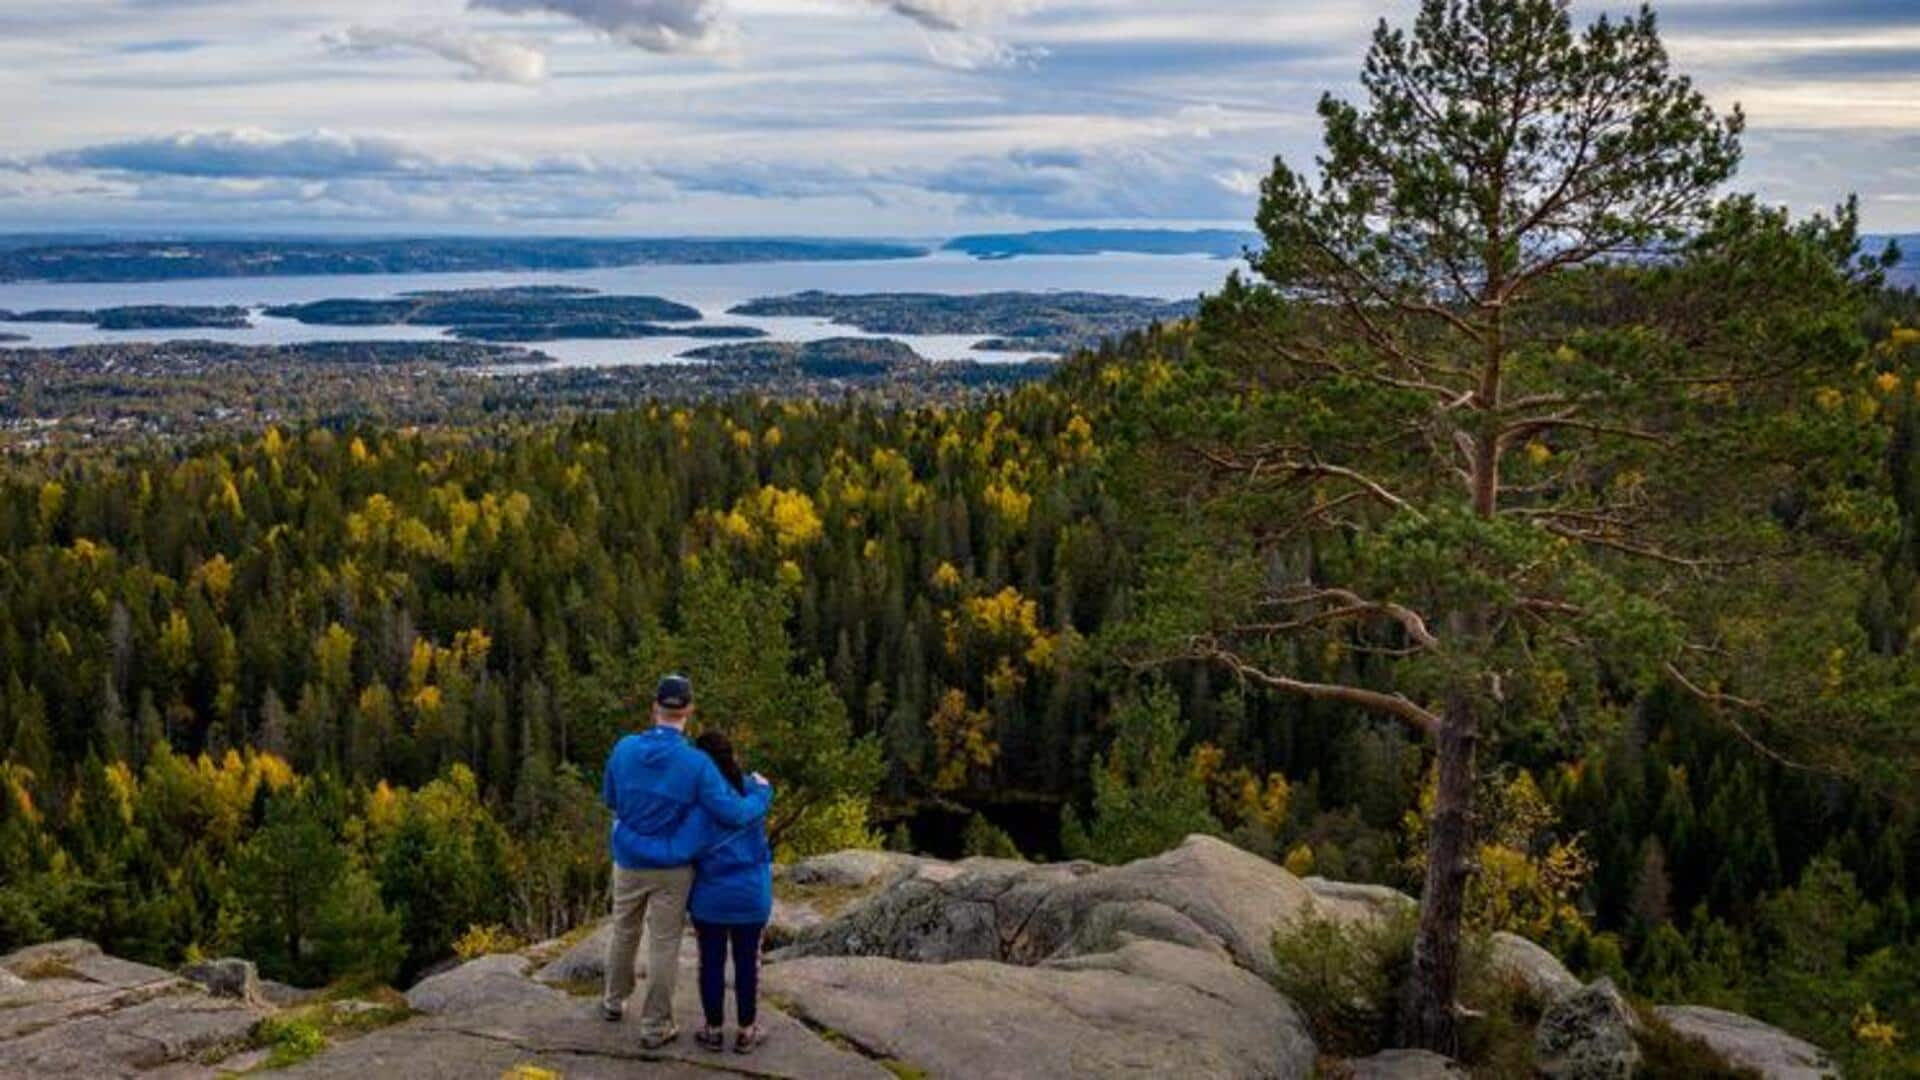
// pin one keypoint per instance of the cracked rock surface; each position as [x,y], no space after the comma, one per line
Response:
[488,1016]
[989,967]
[1205,894]
[891,965]
[1149,1008]
[67,1009]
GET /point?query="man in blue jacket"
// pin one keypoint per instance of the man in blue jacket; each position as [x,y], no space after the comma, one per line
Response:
[653,780]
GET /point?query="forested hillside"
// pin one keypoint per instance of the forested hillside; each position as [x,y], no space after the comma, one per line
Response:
[387,665]
[472,615]
[1534,526]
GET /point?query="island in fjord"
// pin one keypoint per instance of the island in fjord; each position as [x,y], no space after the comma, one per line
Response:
[139,317]
[519,313]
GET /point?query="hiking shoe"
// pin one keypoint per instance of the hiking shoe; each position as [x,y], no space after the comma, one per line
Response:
[712,1038]
[656,1039]
[612,1013]
[748,1038]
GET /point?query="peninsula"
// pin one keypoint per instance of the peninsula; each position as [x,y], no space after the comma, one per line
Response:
[1047,322]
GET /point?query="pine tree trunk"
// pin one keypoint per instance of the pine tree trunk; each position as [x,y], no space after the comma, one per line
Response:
[1427,1012]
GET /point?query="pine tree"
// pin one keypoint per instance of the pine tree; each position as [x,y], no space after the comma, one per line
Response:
[1146,796]
[1452,447]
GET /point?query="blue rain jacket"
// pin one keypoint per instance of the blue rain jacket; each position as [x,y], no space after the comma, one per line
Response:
[733,874]
[654,781]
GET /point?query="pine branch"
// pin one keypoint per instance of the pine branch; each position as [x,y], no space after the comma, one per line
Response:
[1396,705]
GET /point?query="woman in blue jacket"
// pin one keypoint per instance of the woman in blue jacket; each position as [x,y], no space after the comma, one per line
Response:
[731,901]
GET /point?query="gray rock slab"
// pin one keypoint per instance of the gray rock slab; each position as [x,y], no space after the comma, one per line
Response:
[585,962]
[228,977]
[182,1027]
[48,960]
[1745,1041]
[564,1033]
[1236,897]
[850,869]
[1352,903]
[1147,1009]
[1588,1035]
[484,981]
[284,996]
[1204,893]
[1403,1065]
[1530,968]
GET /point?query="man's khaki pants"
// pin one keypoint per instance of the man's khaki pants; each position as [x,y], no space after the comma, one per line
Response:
[660,898]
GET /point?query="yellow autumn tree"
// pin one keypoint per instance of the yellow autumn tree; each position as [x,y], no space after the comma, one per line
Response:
[1529,874]
[963,745]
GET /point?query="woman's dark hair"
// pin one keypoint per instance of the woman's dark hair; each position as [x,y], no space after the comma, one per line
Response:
[720,749]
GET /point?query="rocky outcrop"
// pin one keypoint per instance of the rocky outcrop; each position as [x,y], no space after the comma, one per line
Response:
[1157,967]
[228,977]
[1205,894]
[583,962]
[67,1009]
[477,984]
[1147,1009]
[859,870]
[1401,1065]
[498,1029]
[1749,1043]
[1232,897]
[895,964]
[1353,903]
[1588,1035]
[1533,970]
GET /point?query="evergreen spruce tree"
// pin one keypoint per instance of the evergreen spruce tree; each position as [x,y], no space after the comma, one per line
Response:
[1146,797]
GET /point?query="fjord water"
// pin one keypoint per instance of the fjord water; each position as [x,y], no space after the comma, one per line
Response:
[711,288]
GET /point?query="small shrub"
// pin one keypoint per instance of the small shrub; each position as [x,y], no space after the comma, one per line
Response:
[485,941]
[292,1040]
[833,826]
[1344,977]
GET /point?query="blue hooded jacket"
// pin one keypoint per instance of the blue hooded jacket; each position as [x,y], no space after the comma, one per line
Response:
[654,780]
[733,872]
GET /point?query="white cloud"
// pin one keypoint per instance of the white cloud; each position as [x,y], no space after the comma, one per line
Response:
[486,57]
[978,52]
[956,14]
[173,113]
[662,26]
[1105,183]
[243,153]
[955,31]
[247,152]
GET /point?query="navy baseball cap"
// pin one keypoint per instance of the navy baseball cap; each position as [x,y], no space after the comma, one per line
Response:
[674,692]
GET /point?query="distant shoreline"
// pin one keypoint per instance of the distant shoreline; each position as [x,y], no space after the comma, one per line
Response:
[106,260]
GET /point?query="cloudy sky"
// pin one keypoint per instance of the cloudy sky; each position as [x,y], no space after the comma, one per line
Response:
[870,117]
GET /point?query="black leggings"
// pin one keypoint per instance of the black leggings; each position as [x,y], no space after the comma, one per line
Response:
[714,941]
